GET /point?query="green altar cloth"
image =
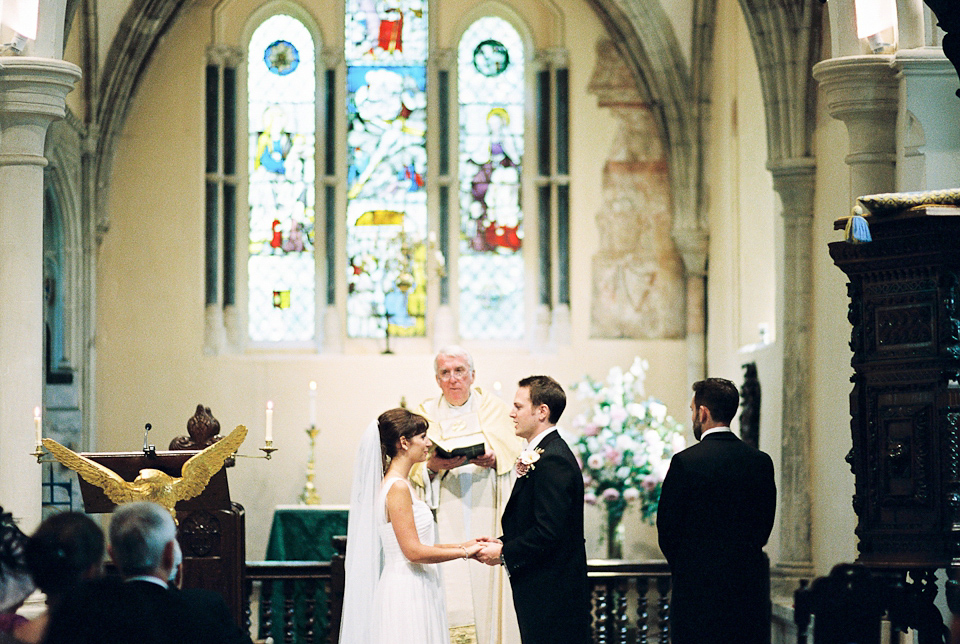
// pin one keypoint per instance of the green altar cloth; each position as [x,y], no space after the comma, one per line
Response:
[303,533]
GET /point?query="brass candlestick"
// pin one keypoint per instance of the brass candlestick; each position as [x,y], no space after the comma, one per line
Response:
[309,495]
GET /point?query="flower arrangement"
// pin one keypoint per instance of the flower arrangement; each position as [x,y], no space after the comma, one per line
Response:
[626,443]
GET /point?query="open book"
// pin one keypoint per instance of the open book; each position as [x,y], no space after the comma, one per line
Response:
[460,436]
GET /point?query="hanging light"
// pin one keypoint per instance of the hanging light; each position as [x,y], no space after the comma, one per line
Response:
[22,17]
[876,21]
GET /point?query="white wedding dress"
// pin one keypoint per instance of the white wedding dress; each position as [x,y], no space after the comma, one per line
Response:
[408,601]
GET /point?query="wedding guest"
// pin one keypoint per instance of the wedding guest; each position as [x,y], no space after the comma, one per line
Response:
[716,511]
[142,608]
[66,549]
[15,581]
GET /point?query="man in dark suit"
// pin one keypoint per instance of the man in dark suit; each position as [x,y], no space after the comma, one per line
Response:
[716,511]
[142,608]
[542,545]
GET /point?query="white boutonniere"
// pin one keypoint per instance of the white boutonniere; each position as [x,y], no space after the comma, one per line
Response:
[528,461]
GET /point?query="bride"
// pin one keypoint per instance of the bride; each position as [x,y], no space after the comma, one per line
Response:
[391,555]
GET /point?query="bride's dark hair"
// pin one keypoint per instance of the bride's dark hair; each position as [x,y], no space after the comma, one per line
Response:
[397,423]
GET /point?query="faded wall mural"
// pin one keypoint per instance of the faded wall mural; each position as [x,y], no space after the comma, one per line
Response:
[638,286]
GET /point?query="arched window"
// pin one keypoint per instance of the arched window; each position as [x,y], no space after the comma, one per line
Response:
[490,68]
[281,91]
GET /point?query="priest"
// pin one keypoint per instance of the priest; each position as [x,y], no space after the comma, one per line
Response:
[467,481]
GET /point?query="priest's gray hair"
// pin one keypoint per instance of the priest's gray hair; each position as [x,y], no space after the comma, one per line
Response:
[139,532]
[452,351]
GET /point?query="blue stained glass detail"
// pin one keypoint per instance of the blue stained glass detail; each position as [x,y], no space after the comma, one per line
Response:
[281,57]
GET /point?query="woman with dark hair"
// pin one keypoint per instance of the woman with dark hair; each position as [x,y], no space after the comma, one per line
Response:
[391,555]
[66,549]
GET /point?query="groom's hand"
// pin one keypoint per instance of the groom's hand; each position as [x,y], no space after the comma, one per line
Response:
[490,553]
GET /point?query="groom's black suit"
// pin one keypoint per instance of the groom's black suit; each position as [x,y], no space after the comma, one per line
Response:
[716,511]
[543,549]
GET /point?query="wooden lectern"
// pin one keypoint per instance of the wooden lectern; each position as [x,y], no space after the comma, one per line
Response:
[211,528]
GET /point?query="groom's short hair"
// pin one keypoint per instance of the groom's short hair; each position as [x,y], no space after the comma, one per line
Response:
[544,390]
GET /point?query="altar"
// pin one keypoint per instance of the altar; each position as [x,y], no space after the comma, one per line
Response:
[304,533]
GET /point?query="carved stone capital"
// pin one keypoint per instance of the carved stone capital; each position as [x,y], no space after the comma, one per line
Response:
[794,179]
[863,92]
[692,244]
[34,90]
[445,59]
[556,57]
[224,55]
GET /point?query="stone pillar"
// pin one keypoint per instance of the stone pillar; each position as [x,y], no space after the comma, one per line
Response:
[793,179]
[692,245]
[32,95]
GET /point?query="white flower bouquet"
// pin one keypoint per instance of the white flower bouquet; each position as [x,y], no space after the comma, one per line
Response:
[626,442]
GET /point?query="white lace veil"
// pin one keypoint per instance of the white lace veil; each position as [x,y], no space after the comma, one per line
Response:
[364,557]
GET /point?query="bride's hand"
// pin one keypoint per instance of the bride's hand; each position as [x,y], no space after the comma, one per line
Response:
[473,549]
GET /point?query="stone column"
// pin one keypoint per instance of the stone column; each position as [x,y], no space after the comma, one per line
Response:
[32,95]
[692,245]
[793,179]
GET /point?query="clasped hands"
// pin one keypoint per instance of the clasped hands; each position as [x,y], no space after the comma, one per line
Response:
[485,550]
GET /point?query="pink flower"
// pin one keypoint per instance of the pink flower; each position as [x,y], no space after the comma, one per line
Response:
[631,494]
[591,429]
[613,456]
[649,482]
[587,479]
[590,498]
[610,494]
[595,461]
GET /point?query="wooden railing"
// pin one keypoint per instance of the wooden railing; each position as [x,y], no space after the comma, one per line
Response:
[308,601]
[631,600]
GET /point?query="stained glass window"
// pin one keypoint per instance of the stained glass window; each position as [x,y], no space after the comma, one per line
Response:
[491,99]
[281,97]
[386,55]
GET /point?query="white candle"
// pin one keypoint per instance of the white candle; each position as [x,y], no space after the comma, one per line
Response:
[38,425]
[313,403]
[269,433]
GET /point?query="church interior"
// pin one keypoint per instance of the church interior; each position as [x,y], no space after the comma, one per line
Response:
[216,202]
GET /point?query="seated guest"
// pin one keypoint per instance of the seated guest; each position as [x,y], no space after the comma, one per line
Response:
[65,549]
[142,608]
[15,581]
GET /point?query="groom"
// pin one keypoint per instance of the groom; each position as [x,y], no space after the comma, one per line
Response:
[542,545]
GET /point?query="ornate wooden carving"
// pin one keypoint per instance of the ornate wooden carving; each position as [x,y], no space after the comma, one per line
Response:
[203,430]
[750,405]
[905,402]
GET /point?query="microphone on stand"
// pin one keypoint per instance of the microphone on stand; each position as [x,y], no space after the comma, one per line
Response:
[149,450]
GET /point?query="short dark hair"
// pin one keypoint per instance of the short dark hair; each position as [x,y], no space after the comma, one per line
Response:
[397,423]
[62,550]
[544,390]
[718,395]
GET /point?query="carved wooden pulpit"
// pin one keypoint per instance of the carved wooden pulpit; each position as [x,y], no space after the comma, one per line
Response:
[211,527]
[904,290]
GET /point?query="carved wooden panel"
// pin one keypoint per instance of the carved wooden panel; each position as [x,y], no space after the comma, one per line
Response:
[905,403]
